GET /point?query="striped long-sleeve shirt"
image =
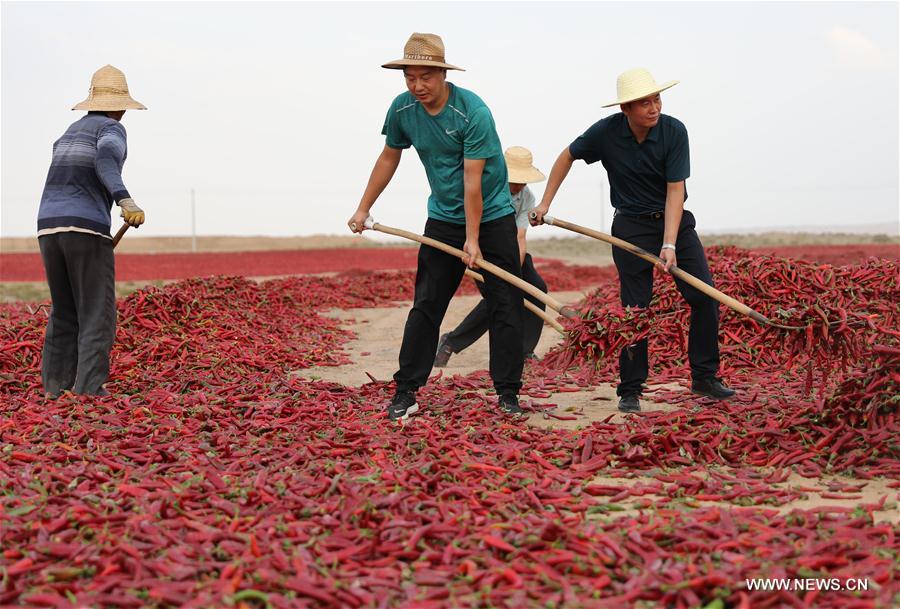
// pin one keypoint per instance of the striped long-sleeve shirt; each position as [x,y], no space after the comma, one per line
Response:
[85,177]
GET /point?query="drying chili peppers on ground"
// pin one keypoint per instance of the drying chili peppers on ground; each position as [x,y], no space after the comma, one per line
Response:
[212,476]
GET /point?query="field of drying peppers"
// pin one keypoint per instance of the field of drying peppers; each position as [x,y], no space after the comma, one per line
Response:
[214,476]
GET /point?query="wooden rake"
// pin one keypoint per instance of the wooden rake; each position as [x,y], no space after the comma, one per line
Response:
[707,289]
[528,305]
[482,264]
[119,235]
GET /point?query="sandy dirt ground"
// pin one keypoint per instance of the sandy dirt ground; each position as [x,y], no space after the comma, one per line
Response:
[375,349]
[379,332]
[871,492]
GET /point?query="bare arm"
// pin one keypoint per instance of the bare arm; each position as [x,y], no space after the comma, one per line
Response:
[674,210]
[473,169]
[520,236]
[558,173]
[385,166]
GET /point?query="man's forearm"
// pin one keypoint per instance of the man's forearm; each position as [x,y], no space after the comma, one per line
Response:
[381,175]
[674,211]
[474,206]
[558,173]
[473,199]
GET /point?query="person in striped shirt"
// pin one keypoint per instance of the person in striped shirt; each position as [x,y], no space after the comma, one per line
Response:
[74,219]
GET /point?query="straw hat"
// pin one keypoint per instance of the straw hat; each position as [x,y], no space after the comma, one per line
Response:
[637,84]
[109,92]
[422,50]
[519,165]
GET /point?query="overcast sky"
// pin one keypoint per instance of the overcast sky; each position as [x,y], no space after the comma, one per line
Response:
[272,112]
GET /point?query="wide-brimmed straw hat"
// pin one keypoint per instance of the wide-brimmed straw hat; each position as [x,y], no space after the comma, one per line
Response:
[422,50]
[109,92]
[637,84]
[519,166]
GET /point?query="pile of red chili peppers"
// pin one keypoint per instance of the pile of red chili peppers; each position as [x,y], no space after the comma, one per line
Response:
[212,476]
[835,315]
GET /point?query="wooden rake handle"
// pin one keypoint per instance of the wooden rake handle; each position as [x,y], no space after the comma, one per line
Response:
[707,289]
[481,263]
[119,235]
[528,305]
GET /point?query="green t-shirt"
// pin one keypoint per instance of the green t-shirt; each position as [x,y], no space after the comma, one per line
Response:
[464,129]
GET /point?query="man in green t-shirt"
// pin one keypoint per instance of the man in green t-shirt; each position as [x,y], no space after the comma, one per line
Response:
[469,208]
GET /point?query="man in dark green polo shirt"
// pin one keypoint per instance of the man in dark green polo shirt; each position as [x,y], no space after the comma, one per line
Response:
[469,208]
[646,156]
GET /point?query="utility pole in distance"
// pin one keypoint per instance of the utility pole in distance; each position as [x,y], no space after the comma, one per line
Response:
[193,222]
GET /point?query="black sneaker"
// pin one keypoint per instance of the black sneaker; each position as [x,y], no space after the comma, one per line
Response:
[402,405]
[509,404]
[443,352]
[712,388]
[629,403]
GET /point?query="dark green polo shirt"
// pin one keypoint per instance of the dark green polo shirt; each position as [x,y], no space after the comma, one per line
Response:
[464,129]
[638,173]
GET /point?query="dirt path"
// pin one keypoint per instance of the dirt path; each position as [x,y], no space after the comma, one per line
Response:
[871,492]
[379,333]
[380,330]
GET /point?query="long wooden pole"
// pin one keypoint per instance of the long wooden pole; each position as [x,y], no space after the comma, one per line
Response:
[528,305]
[119,235]
[481,263]
[677,272]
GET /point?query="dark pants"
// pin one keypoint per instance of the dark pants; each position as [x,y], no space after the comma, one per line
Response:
[636,282]
[81,274]
[437,278]
[476,322]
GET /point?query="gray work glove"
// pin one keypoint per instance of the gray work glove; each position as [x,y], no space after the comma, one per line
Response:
[134,215]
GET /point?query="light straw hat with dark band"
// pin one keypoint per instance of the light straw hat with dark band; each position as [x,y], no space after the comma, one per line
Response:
[637,84]
[109,92]
[422,50]
[519,166]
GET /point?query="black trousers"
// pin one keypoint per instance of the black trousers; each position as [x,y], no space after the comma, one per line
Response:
[81,274]
[477,321]
[636,283]
[437,278]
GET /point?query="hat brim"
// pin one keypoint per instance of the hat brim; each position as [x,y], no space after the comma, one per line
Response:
[110,103]
[527,175]
[642,95]
[399,64]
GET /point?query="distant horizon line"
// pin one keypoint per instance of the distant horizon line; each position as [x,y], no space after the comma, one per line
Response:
[794,230]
